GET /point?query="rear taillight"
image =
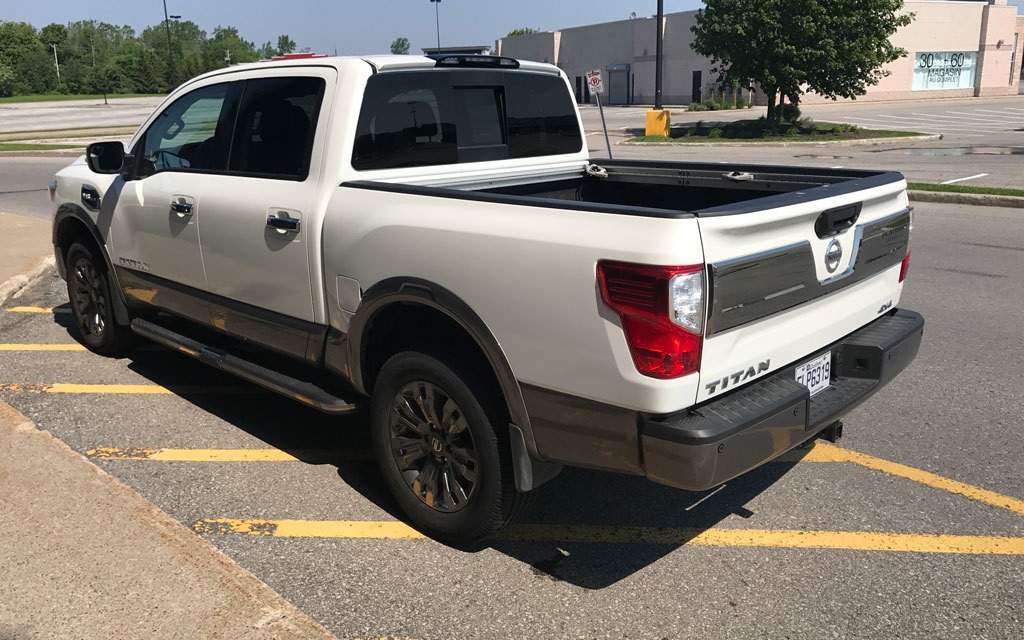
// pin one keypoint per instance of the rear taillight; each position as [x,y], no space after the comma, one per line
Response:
[905,266]
[662,313]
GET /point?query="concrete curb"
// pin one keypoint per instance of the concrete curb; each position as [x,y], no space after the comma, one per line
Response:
[976,199]
[263,612]
[15,284]
[865,142]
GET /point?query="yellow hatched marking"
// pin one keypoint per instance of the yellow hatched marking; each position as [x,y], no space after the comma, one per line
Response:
[228,455]
[845,540]
[829,453]
[41,347]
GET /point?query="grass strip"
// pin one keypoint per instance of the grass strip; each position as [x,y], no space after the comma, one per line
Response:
[753,131]
[28,146]
[957,188]
[44,133]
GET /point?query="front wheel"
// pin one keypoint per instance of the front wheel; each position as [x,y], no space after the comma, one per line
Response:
[92,306]
[442,458]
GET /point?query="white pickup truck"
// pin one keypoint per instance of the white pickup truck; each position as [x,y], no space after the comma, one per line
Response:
[431,237]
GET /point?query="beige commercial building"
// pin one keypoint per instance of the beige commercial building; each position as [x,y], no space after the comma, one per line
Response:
[954,49]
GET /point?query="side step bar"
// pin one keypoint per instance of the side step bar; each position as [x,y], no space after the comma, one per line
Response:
[305,392]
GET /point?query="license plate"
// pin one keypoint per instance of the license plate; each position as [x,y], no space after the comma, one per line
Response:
[815,374]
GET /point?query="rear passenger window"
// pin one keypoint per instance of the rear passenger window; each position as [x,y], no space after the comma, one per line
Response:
[404,122]
[541,117]
[418,118]
[275,127]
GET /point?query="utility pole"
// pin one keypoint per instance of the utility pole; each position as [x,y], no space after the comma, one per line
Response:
[170,52]
[55,63]
[437,20]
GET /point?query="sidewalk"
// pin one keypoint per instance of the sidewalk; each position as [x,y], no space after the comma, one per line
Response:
[85,556]
[25,252]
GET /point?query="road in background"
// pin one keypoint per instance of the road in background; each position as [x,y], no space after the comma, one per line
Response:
[24,184]
[982,144]
[913,529]
[74,114]
[979,136]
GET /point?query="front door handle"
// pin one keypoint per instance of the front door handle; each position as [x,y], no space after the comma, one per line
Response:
[283,223]
[182,208]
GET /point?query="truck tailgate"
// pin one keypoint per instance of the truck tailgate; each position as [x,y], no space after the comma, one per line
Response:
[786,281]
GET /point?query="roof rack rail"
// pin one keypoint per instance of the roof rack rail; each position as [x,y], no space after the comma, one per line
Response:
[474,60]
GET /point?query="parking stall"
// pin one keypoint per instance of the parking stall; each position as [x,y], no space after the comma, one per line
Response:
[841,538]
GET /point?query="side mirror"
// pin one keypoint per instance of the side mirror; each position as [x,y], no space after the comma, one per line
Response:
[105,157]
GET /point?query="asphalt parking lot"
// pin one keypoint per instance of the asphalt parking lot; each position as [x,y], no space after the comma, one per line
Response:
[912,527]
[982,139]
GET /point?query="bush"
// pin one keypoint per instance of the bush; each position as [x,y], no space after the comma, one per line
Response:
[715,133]
[696,106]
[845,128]
[790,112]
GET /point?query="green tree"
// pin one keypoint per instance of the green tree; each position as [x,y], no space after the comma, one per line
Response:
[226,47]
[148,72]
[833,47]
[400,46]
[522,31]
[7,79]
[285,45]
[20,49]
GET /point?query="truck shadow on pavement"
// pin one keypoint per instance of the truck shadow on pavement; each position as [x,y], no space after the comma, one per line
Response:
[586,528]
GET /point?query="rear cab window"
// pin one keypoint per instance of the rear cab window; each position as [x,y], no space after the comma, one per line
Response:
[422,118]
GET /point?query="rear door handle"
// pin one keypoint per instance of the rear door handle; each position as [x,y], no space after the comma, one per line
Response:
[283,223]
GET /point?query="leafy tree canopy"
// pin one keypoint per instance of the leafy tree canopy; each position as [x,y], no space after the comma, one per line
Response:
[836,48]
[285,45]
[522,31]
[400,46]
[97,57]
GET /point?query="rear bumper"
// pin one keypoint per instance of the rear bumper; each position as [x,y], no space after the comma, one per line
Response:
[719,440]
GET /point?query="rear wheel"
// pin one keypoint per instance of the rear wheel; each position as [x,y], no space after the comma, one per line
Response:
[444,461]
[92,305]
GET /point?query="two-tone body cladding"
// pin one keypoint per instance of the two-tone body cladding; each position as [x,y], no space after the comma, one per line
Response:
[431,239]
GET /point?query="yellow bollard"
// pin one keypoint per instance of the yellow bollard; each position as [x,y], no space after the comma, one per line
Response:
[658,122]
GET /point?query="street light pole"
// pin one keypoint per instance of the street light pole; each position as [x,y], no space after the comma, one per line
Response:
[437,19]
[659,45]
[170,52]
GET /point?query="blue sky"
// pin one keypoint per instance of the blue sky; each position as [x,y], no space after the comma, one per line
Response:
[349,26]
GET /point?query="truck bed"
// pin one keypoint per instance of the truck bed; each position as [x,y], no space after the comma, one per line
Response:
[667,189]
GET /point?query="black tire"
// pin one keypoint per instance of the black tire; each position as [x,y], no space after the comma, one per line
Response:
[92,308]
[442,457]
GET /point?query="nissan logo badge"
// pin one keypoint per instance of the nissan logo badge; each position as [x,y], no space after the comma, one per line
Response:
[833,255]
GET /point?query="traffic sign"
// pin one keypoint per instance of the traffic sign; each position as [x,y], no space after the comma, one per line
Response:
[595,82]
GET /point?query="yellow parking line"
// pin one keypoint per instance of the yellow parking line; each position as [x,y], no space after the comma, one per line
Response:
[42,347]
[143,389]
[820,453]
[828,453]
[39,309]
[229,455]
[847,540]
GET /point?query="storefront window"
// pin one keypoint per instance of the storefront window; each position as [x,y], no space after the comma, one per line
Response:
[939,70]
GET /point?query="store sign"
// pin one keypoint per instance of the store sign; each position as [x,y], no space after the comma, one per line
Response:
[940,70]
